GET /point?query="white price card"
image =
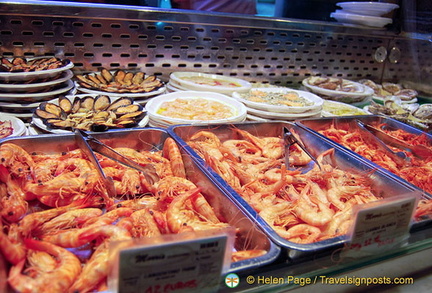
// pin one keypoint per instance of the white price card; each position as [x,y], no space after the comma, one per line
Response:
[381,226]
[187,262]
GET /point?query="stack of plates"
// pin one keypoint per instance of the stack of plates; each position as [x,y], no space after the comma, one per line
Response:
[345,91]
[22,92]
[196,81]
[364,13]
[268,103]
[176,108]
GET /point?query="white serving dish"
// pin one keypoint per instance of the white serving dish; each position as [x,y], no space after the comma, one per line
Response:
[34,75]
[35,87]
[240,84]
[317,101]
[358,19]
[368,8]
[18,125]
[361,91]
[40,124]
[154,104]
[282,116]
[333,108]
[34,97]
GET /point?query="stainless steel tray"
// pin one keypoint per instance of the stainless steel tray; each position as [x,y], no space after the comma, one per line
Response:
[383,183]
[319,124]
[248,235]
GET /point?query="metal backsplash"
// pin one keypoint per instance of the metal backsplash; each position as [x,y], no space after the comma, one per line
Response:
[157,41]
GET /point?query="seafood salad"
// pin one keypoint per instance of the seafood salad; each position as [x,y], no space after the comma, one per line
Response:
[196,109]
[291,99]
[57,221]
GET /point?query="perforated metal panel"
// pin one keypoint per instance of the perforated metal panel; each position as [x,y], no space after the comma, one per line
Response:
[159,42]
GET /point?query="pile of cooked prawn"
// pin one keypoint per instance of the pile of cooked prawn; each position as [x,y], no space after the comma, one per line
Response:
[57,221]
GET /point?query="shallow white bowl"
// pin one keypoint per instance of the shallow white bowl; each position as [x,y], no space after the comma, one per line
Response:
[240,85]
[317,101]
[154,104]
[361,91]
[351,18]
[18,125]
[34,75]
[368,8]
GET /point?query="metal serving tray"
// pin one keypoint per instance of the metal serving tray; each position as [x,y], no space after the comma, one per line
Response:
[319,124]
[248,235]
[383,184]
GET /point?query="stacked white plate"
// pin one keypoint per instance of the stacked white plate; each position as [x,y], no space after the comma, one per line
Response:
[156,109]
[266,109]
[22,92]
[197,81]
[364,13]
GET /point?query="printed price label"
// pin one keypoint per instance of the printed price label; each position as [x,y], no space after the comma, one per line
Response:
[177,266]
[381,226]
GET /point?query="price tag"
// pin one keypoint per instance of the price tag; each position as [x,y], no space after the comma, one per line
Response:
[381,226]
[175,264]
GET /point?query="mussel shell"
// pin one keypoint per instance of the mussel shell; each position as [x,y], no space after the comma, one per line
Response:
[124,101]
[107,75]
[101,102]
[87,103]
[44,114]
[52,108]
[65,104]
[119,75]
[138,78]
[99,127]
[128,109]
[76,105]
[137,115]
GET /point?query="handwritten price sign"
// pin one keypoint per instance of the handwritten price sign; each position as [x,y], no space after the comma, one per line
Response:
[381,226]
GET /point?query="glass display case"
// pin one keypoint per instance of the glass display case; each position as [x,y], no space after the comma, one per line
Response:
[279,51]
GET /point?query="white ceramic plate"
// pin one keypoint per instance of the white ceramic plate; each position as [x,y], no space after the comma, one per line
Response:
[381,99]
[39,123]
[368,8]
[34,97]
[360,90]
[316,101]
[251,117]
[333,108]
[154,104]
[282,116]
[34,87]
[351,18]
[210,82]
[42,74]
[17,124]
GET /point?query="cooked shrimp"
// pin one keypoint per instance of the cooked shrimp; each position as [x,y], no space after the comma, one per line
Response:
[67,269]
[172,152]
[11,246]
[17,160]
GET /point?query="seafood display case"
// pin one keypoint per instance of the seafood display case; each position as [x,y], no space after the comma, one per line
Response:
[381,183]
[279,51]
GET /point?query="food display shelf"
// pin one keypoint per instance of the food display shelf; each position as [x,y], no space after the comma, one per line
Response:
[257,49]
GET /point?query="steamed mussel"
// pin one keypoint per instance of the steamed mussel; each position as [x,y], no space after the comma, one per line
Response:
[119,81]
[20,64]
[90,113]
